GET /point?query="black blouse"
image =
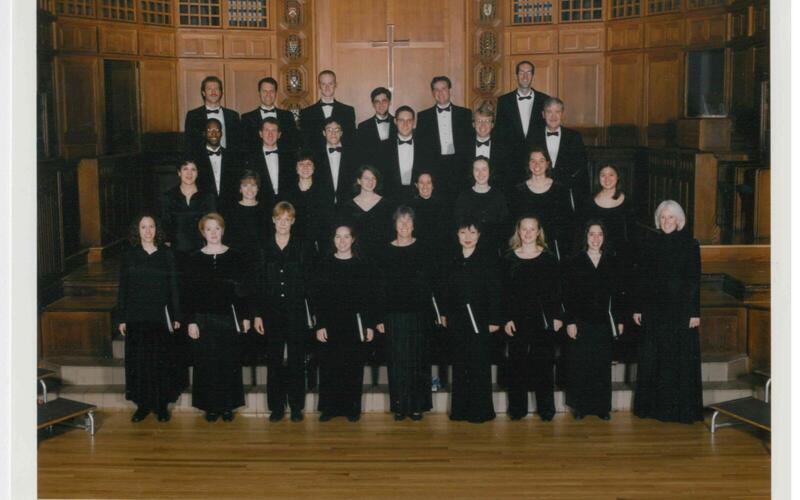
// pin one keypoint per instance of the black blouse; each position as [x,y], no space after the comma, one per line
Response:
[669,275]
[216,285]
[491,210]
[314,215]
[180,218]
[589,292]
[343,288]
[554,209]
[474,280]
[620,224]
[247,229]
[147,284]
[532,289]
[373,228]
[406,278]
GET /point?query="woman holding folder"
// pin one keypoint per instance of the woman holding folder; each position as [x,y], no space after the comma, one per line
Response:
[471,312]
[345,298]
[148,309]
[593,303]
[216,309]
[533,304]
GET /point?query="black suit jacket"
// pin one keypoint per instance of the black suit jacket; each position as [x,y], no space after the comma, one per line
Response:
[392,186]
[229,178]
[348,169]
[371,150]
[502,175]
[508,125]
[449,174]
[251,126]
[287,176]
[571,167]
[195,129]
[312,119]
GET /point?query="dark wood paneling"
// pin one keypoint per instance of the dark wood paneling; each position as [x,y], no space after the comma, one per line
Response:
[624,35]
[664,33]
[49,218]
[199,44]
[80,105]
[159,100]
[115,39]
[663,95]
[241,78]
[758,338]
[540,41]
[157,42]
[709,30]
[190,75]
[623,105]
[76,36]
[581,87]
[249,46]
[581,39]
[726,327]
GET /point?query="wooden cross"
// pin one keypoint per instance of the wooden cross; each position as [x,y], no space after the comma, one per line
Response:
[390,44]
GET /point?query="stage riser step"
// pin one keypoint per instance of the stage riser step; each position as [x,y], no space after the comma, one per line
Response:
[377,399]
[112,371]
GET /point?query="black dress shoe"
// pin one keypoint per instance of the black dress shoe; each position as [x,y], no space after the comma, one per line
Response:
[227,415]
[398,417]
[325,417]
[546,417]
[276,416]
[163,415]
[605,416]
[515,417]
[578,415]
[416,416]
[297,416]
[140,414]
[211,416]
[354,418]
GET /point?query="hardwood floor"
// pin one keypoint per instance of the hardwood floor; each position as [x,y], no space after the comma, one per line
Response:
[250,458]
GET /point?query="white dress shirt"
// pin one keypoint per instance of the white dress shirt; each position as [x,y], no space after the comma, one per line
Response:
[268,112]
[272,167]
[405,158]
[216,166]
[445,123]
[383,128]
[327,110]
[553,142]
[221,117]
[334,159]
[525,107]
[485,150]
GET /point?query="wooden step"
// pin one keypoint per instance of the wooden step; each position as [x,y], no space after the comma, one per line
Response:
[78,325]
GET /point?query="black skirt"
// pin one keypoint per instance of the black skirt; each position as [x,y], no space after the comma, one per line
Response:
[217,376]
[154,372]
[408,337]
[589,369]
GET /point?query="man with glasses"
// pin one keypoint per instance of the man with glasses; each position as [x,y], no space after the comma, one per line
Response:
[336,163]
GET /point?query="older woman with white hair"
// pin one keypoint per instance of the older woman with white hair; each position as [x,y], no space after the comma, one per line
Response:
[668,386]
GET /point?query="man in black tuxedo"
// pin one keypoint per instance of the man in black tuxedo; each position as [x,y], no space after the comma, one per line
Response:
[336,164]
[406,159]
[251,121]
[518,114]
[195,124]
[275,166]
[446,129]
[567,153]
[218,170]
[375,133]
[312,118]
[489,145]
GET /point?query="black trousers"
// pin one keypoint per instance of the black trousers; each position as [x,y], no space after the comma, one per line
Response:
[531,353]
[286,356]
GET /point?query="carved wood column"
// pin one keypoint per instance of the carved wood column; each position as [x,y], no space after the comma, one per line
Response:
[486,55]
[297,75]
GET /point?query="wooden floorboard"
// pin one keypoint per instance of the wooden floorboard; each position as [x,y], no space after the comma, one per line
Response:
[624,458]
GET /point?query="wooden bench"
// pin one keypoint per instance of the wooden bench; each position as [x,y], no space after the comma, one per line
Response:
[61,411]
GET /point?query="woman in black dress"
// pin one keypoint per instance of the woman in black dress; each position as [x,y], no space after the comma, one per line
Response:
[617,213]
[370,216]
[283,315]
[181,210]
[248,224]
[534,308]
[549,201]
[216,311]
[593,302]
[314,213]
[471,312]
[407,319]
[668,383]
[485,204]
[148,315]
[345,297]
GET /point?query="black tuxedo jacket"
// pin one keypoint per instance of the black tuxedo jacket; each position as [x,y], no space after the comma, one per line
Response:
[391,185]
[229,178]
[509,122]
[449,176]
[371,150]
[503,175]
[287,176]
[251,126]
[195,129]
[571,167]
[312,119]
[348,170]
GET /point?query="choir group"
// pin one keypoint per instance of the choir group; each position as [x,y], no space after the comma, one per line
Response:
[443,237]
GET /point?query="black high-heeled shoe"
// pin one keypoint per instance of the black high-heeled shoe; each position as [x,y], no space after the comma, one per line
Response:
[227,415]
[416,416]
[163,414]
[211,416]
[140,414]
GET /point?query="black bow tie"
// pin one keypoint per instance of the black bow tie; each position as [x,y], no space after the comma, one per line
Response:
[267,153]
[335,150]
[327,104]
[524,97]
[214,153]
[442,110]
[552,133]
[382,120]
[400,142]
[487,142]
[265,110]
[208,111]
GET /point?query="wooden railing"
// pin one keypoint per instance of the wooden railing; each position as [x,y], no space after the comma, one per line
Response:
[50,218]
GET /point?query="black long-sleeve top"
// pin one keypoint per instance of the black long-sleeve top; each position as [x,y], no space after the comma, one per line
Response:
[590,291]
[341,289]
[147,284]
[406,279]
[491,210]
[373,228]
[214,284]
[532,289]
[554,209]
[669,275]
[180,218]
[283,281]
[620,222]
[247,228]
[313,217]
[474,280]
